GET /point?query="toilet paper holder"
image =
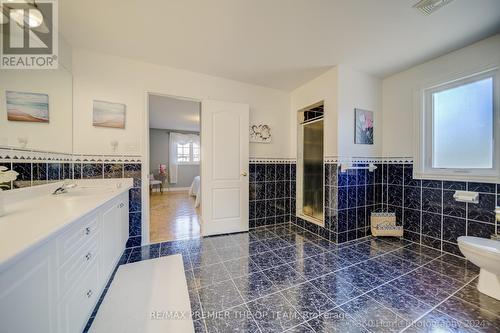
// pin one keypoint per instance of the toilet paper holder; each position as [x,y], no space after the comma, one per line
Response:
[466,196]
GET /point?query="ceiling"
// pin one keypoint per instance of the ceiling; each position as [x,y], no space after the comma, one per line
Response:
[172,113]
[276,43]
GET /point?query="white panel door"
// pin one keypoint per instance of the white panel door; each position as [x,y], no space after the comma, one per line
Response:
[224,167]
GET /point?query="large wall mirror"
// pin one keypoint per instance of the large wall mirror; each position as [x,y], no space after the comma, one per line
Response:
[36,109]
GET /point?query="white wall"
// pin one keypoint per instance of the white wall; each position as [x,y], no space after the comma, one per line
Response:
[115,79]
[323,88]
[361,91]
[399,89]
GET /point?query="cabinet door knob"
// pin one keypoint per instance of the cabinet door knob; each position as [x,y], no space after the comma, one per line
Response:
[87,231]
[89,293]
[88,256]
[244,174]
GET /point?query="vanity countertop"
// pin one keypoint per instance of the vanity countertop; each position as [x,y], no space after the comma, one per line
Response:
[34,215]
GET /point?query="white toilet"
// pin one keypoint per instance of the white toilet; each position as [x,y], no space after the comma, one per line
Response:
[484,253]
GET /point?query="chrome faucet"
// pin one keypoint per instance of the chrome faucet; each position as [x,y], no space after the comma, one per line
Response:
[64,188]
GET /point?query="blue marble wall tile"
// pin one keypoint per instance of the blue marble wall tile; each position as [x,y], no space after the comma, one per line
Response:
[342,178]
[39,173]
[251,173]
[408,177]
[24,177]
[113,170]
[270,190]
[135,200]
[260,209]
[280,172]
[135,224]
[412,220]
[134,241]
[54,171]
[77,170]
[395,195]
[370,195]
[251,210]
[251,192]
[351,219]
[270,208]
[351,177]
[352,197]
[270,172]
[293,172]
[479,229]
[412,197]
[452,207]
[260,191]
[67,171]
[260,172]
[280,189]
[453,228]
[342,197]
[484,211]
[133,170]
[431,242]
[361,217]
[452,248]
[92,171]
[438,184]
[395,174]
[378,173]
[431,200]
[361,175]
[431,225]
[361,195]
[449,185]
[481,187]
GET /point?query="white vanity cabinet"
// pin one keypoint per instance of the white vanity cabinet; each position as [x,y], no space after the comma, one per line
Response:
[55,286]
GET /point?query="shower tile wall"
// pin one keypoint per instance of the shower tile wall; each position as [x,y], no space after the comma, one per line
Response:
[271,185]
[425,208]
[43,172]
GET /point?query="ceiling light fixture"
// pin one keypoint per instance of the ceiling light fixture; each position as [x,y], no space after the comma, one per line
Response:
[427,7]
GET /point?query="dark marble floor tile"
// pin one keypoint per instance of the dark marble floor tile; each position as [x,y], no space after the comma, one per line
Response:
[237,319]
[233,252]
[428,293]
[284,276]
[219,296]
[468,313]
[204,258]
[309,268]
[254,285]
[308,300]
[359,278]
[273,313]
[336,288]
[169,248]
[303,328]
[255,247]
[436,321]
[336,320]
[211,274]
[471,295]
[372,315]
[379,270]
[144,252]
[199,326]
[275,243]
[456,268]
[400,303]
[403,263]
[266,260]
[330,261]
[350,256]
[424,250]
[219,242]
[240,267]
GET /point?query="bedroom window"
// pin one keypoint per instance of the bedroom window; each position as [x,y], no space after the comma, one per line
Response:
[188,153]
[459,129]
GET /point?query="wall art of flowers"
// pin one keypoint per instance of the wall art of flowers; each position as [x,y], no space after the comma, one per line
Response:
[363,127]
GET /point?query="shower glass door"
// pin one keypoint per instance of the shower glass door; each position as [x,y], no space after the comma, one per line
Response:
[312,180]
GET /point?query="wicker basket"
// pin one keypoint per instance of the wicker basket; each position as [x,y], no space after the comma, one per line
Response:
[384,224]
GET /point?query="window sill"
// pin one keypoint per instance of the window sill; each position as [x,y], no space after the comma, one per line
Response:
[457,177]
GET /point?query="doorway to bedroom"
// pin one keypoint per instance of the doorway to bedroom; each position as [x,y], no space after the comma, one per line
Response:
[174,168]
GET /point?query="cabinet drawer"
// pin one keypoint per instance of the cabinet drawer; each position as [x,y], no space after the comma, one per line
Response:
[75,237]
[75,309]
[81,261]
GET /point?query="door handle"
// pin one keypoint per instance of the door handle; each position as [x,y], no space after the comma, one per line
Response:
[244,174]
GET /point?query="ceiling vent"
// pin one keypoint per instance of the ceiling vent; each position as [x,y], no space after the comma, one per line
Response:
[427,7]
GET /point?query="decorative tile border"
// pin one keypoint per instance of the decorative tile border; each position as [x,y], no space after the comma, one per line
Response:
[29,155]
[272,160]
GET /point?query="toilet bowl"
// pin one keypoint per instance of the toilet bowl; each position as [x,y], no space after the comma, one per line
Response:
[484,253]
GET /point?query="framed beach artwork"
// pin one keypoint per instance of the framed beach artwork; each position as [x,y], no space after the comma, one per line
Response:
[26,106]
[108,114]
[363,124]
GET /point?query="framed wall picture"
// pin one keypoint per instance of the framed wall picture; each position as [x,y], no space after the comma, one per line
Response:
[26,106]
[260,133]
[108,114]
[363,127]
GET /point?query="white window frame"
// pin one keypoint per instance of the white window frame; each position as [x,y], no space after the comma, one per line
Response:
[424,132]
[191,156]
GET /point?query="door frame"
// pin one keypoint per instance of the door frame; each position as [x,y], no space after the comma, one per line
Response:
[145,220]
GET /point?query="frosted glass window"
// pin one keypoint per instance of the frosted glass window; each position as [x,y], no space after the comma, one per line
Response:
[462,126]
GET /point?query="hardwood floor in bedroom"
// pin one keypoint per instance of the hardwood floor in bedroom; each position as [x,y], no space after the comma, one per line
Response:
[173,217]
